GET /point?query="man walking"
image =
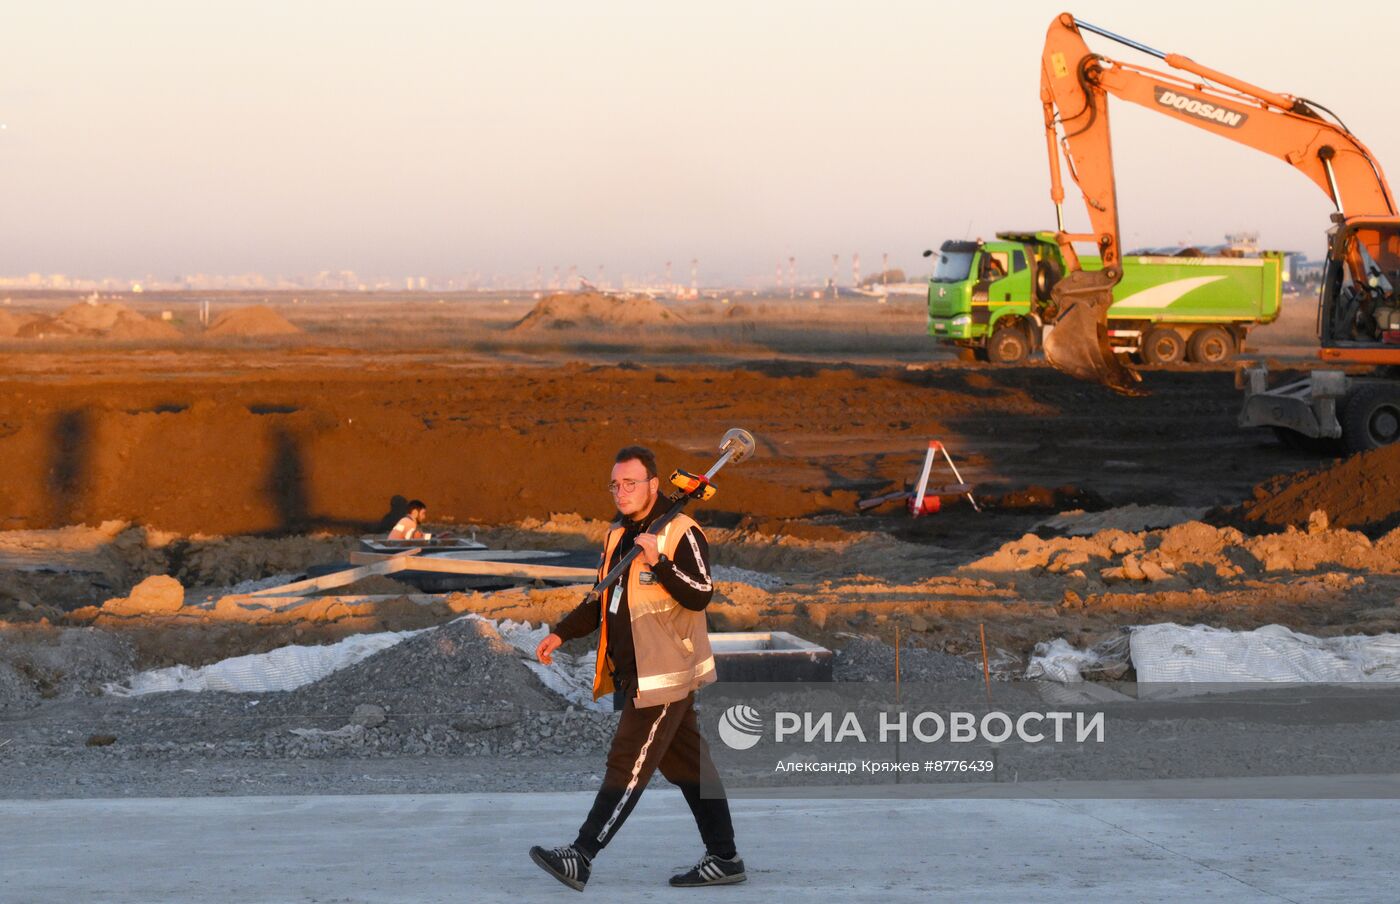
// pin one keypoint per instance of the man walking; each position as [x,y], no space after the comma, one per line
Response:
[653,655]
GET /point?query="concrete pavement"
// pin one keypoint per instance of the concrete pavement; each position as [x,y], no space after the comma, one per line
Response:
[472,848]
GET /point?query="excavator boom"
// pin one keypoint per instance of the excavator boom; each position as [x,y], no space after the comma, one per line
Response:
[1075,84]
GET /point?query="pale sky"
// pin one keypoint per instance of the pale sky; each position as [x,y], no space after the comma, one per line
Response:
[442,138]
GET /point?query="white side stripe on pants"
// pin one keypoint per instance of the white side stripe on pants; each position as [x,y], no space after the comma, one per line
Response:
[636,770]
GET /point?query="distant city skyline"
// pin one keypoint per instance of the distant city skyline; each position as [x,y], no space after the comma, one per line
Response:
[453,141]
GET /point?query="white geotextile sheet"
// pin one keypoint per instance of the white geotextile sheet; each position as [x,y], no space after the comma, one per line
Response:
[290,667]
[571,677]
[1177,654]
[283,669]
[1169,653]
[1059,661]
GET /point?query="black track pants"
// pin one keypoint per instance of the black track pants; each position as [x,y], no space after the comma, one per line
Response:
[668,738]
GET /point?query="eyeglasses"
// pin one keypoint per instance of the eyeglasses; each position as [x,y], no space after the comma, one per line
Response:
[624,486]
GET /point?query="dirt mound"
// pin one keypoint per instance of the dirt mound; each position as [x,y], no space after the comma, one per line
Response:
[253,320]
[1362,491]
[103,320]
[592,309]
[11,323]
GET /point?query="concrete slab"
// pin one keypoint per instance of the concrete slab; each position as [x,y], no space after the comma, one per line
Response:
[472,848]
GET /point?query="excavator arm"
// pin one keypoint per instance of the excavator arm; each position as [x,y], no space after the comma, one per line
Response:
[1074,87]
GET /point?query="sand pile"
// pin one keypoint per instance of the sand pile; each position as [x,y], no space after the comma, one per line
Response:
[253,320]
[1362,491]
[595,310]
[104,320]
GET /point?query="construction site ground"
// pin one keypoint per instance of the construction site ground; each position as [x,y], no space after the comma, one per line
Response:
[431,848]
[217,461]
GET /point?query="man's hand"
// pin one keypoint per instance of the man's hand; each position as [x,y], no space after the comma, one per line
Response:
[545,651]
[647,544]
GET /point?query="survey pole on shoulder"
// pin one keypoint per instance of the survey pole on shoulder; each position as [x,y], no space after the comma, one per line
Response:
[735,446]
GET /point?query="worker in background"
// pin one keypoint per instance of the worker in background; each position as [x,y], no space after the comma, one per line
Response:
[410,526]
[654,651]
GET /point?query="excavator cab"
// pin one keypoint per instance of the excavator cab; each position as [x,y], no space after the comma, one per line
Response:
[1360,303]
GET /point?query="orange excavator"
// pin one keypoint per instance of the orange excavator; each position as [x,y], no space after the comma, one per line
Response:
[1359,313]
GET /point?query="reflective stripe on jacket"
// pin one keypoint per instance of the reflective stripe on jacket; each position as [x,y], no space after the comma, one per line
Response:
[672,642]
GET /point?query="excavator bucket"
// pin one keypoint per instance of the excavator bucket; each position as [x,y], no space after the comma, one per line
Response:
[1078,342]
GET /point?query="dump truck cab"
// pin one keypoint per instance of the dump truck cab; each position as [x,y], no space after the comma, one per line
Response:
[980,296]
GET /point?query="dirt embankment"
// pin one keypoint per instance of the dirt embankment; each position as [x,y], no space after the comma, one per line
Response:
[251,455]
[330,448]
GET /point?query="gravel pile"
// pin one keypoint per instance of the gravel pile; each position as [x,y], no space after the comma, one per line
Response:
[38,665]
[455,691]
[758,579]
[869,659]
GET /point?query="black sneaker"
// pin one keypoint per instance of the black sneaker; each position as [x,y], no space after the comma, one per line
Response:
[712,870]
[567,864]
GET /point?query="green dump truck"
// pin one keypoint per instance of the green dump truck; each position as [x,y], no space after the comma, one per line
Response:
[986,298]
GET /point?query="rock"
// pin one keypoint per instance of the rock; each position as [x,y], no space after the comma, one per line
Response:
[368,715]
[1071,600]
[158,594]
[1119,541]
[1154,572]
[918,623]
[101,740]
[1317,521]
[1132,569]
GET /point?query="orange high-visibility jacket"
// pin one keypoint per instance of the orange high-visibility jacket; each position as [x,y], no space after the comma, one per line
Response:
[672,642]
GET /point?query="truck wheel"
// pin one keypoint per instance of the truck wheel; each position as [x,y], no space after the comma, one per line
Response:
[1009,345]
[1047,273]
[1163,345]
[1371,417]
[1211,345]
